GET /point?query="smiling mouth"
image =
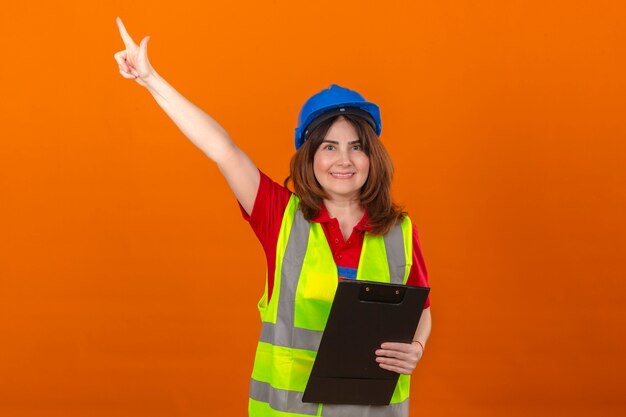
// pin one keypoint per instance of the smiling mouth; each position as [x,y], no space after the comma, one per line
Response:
[342,174]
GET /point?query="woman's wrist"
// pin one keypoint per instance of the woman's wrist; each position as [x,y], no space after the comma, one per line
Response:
[415,341]
[154,82]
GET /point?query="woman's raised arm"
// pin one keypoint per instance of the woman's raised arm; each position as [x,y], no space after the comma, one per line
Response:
[200,128]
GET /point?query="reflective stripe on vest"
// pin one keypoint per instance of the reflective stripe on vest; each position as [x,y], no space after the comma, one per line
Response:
[293,321]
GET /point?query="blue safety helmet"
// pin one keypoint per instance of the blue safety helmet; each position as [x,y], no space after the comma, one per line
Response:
[334,101]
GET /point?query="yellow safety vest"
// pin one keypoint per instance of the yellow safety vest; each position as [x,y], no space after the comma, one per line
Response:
[293,321]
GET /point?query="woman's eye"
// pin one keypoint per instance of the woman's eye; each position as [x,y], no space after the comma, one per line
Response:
[357,148]
[329,147]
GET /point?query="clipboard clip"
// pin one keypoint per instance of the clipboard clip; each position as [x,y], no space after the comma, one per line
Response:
[381,293]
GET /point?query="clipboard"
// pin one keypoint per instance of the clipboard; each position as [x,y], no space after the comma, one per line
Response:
[364,314]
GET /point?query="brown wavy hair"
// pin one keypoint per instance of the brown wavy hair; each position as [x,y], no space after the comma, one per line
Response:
[375,195]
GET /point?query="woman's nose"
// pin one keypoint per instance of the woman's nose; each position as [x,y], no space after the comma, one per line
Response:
[344,157]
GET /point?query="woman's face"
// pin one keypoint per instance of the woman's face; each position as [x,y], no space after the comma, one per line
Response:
[340,164]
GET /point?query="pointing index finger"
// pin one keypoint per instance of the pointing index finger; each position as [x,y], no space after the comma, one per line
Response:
[128,41]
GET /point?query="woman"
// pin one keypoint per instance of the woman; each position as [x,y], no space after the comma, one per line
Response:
[333,225]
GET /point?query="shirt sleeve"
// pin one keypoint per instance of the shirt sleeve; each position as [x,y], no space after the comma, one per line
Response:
[266,219]
[418,276]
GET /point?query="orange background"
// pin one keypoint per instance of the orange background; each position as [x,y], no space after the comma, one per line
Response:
[129,281]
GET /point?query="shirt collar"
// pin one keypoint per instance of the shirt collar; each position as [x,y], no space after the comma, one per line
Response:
[324,217]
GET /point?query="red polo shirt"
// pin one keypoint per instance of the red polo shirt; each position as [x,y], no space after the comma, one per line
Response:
[266,219]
